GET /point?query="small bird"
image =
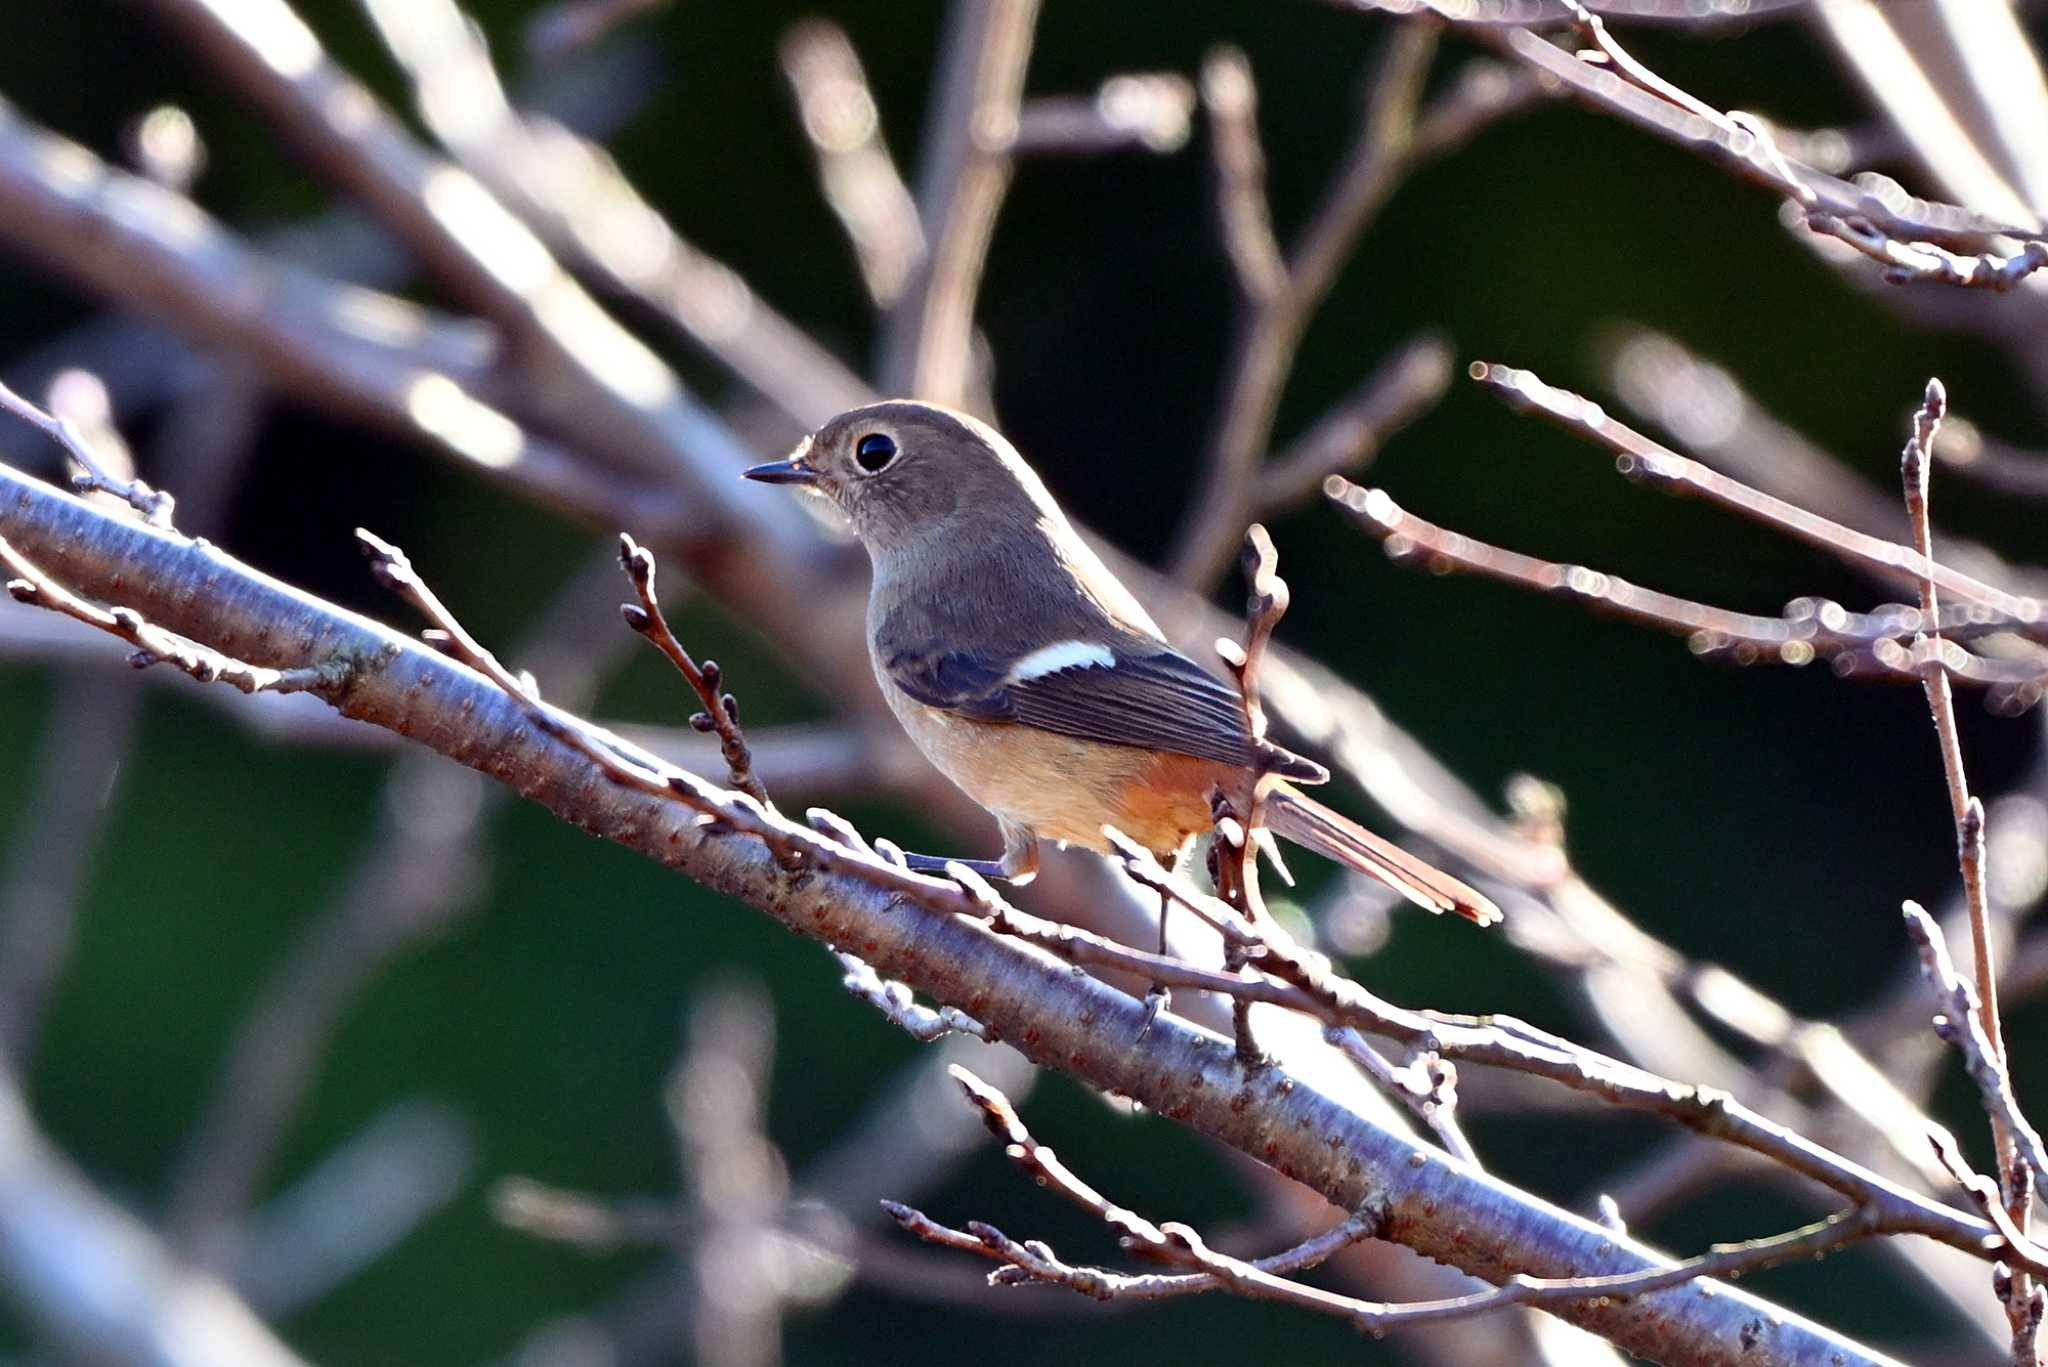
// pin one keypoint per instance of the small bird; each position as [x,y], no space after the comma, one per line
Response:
[1032,677]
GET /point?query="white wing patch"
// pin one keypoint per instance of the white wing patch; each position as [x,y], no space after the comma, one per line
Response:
[1061,655]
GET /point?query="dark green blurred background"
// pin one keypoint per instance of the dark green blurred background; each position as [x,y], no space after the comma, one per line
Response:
[1767,819]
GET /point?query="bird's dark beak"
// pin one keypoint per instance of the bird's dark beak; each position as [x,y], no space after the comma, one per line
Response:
[791,471]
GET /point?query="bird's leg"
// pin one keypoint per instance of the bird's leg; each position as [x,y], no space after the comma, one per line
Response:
[1159,996]
[1018,866]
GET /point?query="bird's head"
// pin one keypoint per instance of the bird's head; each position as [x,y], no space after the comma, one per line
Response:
[900,469]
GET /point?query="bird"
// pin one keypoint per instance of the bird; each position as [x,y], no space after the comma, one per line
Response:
[1029,675]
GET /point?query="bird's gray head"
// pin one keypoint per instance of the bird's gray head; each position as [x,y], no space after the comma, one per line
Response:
[899,469]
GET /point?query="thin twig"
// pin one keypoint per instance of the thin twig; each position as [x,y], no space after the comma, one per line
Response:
[1238,163]
[900,1007]
[1594,32]
[1266,1279]
[1282,289]
[859,176]
[1133,112]
[1857,644]
[1427,1085]
[1961,1024]
[1908,262]
[721,709]
[154,645]
[1236,851]
[2010,1132]
[928,337]
[1744,146]
[94,477]
[1349,435]
[578,200]
[1645,459]
[1704,410]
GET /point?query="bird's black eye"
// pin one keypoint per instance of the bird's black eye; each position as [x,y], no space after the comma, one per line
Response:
[874,452]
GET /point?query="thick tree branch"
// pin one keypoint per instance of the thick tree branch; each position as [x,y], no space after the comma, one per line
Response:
[1074,1023]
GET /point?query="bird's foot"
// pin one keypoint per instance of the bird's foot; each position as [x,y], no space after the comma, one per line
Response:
[1160,998]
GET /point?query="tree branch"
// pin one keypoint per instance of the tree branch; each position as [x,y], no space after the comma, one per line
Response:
[927,339]
[1077,1024]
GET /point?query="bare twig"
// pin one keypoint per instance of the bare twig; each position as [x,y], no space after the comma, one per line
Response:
[154,645]
[1704,15]
[2012,1135]
[1265,1280]
[154,505]
[1917,467]
[927,342]
[1426,1085]
[1704,411]
[900,1007]
[1907,262]
[1235,854]
[1282,289]
[859,177]
[1594,32]
[1347,437]
[1744,147]
[1645,459]
[1961,1023]
[1858,644]
[721,709]
[581,204]
[1134,112]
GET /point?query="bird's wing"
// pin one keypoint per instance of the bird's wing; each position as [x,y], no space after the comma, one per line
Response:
[1140,694]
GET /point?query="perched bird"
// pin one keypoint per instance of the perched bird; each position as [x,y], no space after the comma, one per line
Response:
[1029,674]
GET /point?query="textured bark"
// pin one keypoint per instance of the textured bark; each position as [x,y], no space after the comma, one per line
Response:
[1058,1015]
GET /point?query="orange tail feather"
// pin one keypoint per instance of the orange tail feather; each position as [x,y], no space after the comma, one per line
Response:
[1294,816]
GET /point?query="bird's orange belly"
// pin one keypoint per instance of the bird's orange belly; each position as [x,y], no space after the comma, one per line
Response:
[1064,788]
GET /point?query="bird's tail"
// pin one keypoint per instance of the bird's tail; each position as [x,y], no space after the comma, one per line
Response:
[1293,815]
